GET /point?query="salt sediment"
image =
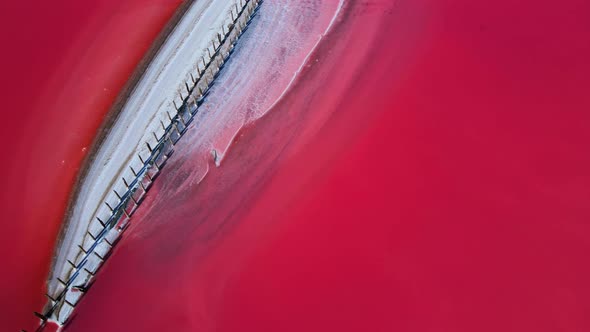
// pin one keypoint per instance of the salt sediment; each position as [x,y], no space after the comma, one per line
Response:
[266,63]
[162,88]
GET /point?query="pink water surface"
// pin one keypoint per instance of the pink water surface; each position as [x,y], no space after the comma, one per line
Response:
[428,170]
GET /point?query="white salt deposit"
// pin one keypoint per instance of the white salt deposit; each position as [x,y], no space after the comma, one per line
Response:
[140,118]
